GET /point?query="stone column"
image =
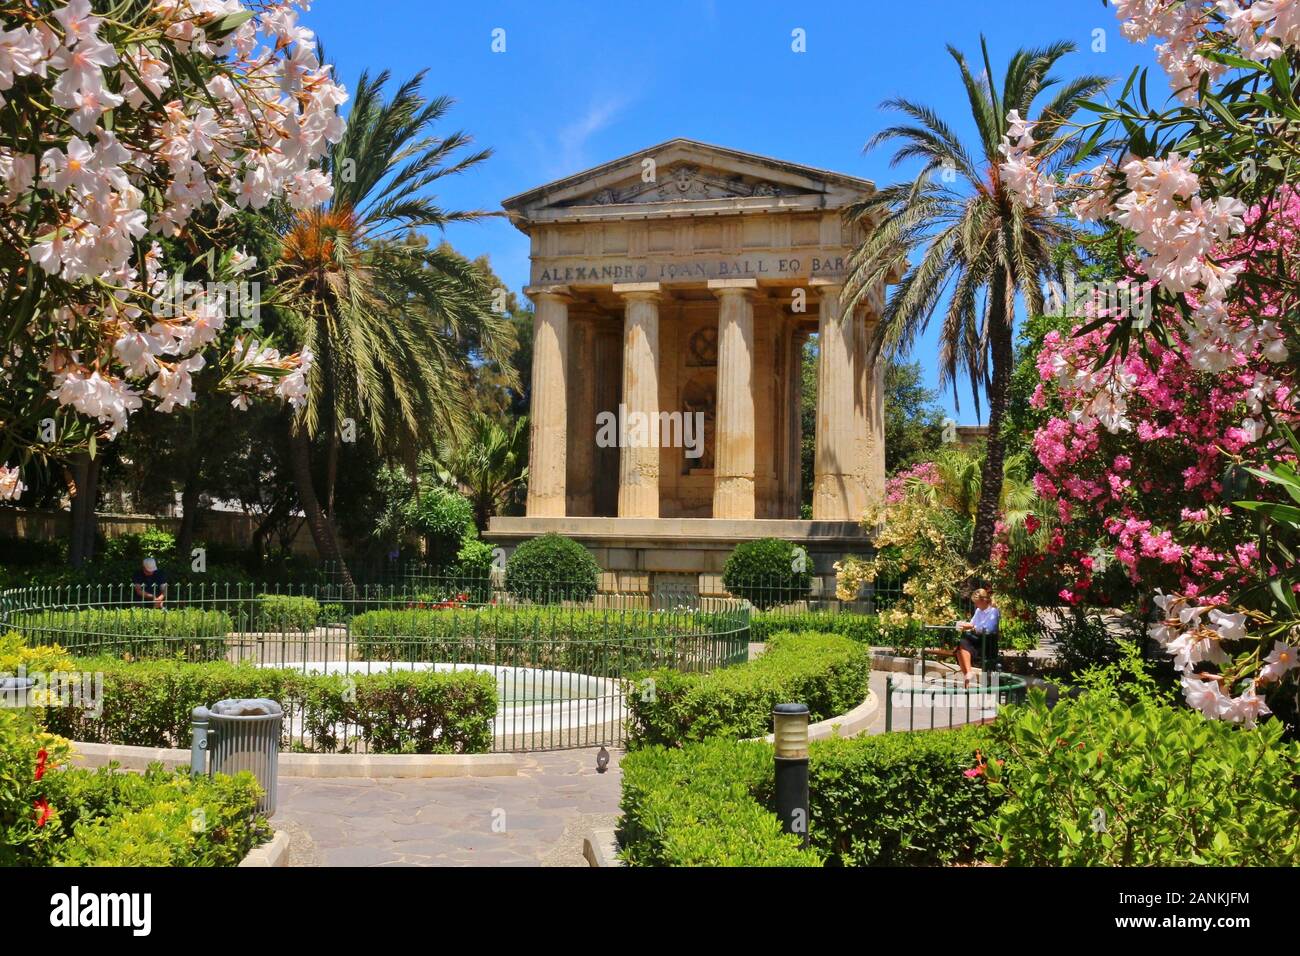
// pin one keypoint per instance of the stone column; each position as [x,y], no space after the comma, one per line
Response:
[582,410]
[733,456]
[794,422]
[837,487]
[638,465]
[548,438]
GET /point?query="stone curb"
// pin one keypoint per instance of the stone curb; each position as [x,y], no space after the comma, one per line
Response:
[275,852]
[600,847]
[318,765]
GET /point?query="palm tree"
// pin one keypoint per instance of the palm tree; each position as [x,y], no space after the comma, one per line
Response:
[957,225]
[488,464]
[387,317]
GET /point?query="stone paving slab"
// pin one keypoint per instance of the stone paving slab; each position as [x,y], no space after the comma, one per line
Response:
[536,818]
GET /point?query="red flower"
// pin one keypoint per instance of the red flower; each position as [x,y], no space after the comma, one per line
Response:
[41,756]
[43,811]
[1032,524]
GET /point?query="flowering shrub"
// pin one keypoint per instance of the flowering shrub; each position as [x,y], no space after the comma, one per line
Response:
[54,815]
[27,754]
[918,540]
[1150,495]
[1206,193]
[158,119]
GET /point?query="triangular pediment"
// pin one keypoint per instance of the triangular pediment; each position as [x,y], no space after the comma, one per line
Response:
[685,175]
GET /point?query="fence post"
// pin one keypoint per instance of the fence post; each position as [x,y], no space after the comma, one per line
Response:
[889,702]
[199,747]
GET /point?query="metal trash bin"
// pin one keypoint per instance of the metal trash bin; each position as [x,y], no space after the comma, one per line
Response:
[16,692]
[240,735]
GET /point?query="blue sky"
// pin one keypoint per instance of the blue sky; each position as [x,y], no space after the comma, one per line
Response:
[583,83]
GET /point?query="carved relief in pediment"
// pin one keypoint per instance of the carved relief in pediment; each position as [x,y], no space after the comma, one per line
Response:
[681,181]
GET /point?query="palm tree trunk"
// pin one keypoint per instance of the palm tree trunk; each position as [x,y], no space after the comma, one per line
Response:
[331,471]
[318,523]
[1002,318]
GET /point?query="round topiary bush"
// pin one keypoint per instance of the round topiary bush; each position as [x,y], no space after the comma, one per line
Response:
[552,568]
[767,572]
[445,519]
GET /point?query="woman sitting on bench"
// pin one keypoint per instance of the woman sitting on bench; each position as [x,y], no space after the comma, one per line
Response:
[983,624]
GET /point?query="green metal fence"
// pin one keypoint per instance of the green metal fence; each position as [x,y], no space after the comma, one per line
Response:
[942,701]
[560,654]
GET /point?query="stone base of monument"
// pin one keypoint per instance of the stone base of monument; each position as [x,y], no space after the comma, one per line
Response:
[649,555]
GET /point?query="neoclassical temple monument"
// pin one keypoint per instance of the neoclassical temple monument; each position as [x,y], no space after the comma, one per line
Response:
[677,287]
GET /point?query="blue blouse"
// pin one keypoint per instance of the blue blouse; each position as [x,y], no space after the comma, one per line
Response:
[985,620]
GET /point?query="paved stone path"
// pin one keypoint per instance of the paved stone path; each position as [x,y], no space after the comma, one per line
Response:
[535,819]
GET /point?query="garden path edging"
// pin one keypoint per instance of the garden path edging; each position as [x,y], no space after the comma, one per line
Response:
[316,765]
[848,724]
[274,852]
[600,848]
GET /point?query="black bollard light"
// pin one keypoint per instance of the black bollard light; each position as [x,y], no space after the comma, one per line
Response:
[790,731]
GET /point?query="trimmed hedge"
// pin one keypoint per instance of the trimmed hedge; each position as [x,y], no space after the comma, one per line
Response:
[863,628]
[148,704]
[867,628]
[286,612]
[552,568]
[160,818]
[764,572]
[827,672]
[600,642]
[897,799]
[697,807]
[139,631]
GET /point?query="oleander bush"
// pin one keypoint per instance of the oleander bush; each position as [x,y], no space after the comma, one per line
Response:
[140,632]
[767,572]
[552,568]
[897,799]
[697,806]
[827,672]
[1099,781]
[149,703]
[76,817]
[286,612]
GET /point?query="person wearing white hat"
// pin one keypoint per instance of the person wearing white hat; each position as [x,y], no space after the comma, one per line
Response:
[150,583]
